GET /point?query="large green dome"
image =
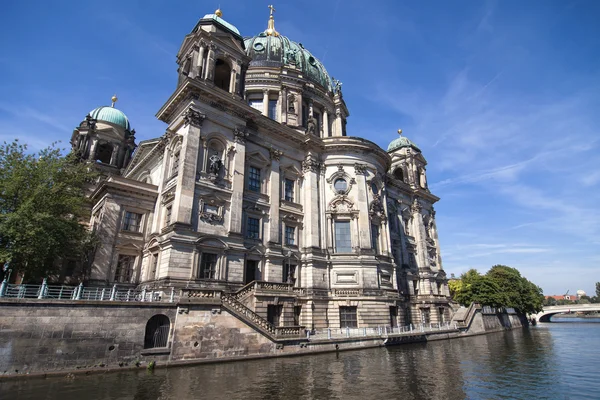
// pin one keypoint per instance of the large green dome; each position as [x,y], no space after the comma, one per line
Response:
[112,115]
[277,51]
[401,142]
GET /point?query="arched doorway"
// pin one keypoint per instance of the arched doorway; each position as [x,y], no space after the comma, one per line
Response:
[157,331]
[222,74]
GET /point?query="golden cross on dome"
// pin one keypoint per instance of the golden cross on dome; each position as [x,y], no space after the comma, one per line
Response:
[272,9]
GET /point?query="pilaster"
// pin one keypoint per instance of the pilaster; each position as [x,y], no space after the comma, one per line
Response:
[186,178]
[364,222]
[237,197]
[311,168]
[274,235]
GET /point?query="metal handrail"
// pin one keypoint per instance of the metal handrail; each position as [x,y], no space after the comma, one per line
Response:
[80,292]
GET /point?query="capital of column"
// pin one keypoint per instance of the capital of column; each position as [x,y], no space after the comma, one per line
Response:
[194,118]
[240,134]
[416,206]
[360,169]
[275,154]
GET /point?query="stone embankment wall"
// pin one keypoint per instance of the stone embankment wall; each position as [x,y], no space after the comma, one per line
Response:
[42,337]
[45,336]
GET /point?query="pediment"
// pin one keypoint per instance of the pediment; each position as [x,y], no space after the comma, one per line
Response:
[210,241]
[257,158]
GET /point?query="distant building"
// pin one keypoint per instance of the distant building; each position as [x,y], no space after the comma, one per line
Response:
[568,297]
[256,179]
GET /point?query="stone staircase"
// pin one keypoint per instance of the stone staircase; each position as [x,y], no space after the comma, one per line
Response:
[232,303]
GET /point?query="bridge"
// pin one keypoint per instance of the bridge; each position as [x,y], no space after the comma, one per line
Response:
[549,311]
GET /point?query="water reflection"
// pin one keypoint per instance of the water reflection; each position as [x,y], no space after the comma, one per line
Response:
[549,361]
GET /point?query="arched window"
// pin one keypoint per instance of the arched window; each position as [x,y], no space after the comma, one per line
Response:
[104,153]
[222,74]
[399,174]
[157,331]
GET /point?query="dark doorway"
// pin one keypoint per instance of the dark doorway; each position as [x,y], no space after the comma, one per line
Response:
[157,331]
[394,316]
[222,75]
[250,273]
[274,313]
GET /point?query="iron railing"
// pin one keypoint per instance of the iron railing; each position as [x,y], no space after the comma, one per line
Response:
[62,292]
[380,331]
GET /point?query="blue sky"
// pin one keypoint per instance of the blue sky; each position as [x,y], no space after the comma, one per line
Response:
[501,96]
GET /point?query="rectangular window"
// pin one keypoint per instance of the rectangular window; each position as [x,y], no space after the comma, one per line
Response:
[132,221]
[254,179]
[375,237]
[288,190]
[208,266]
[168,211]
[343,241]
[124,272]
[257,104]
[175,164]
[348,317]
[290,235]
[273,109]
[253,229]
[425,315]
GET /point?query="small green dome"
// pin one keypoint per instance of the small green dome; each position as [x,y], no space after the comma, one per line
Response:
[276,51]
[401,142]
[112,115]
[210,18]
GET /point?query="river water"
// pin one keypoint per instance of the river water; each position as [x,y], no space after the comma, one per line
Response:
[559,360]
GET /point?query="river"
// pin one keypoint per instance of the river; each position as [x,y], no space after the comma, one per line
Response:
[558,360]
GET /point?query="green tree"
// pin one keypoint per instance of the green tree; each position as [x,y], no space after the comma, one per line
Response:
[42,205]
[477,288]
[598,289]
[550,301]
[521,294]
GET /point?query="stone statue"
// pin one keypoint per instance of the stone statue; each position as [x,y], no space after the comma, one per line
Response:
[311,126]
[423,178]
[215,164]
[291,103]
[337,86]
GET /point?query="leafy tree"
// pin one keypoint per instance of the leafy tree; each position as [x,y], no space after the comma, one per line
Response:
[550,301]
[522,295]
[478,288]
[501,286]
[42,205]
[598,289]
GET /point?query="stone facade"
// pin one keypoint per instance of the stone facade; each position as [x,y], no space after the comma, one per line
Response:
[256,179]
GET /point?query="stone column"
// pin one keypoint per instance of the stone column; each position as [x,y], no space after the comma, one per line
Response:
[284,105]
[311,167]
[92,155]
[266,102]
[364,222]
[237,186]
[300,108]
[279,112]
[420,236]
[210,63]
[232,79]
[273,234]
[186,178]
[337,124]
[204,155]
[325,123]
[114,155]
[200,61]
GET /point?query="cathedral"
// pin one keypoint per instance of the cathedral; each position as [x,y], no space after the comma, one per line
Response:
[258,188]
